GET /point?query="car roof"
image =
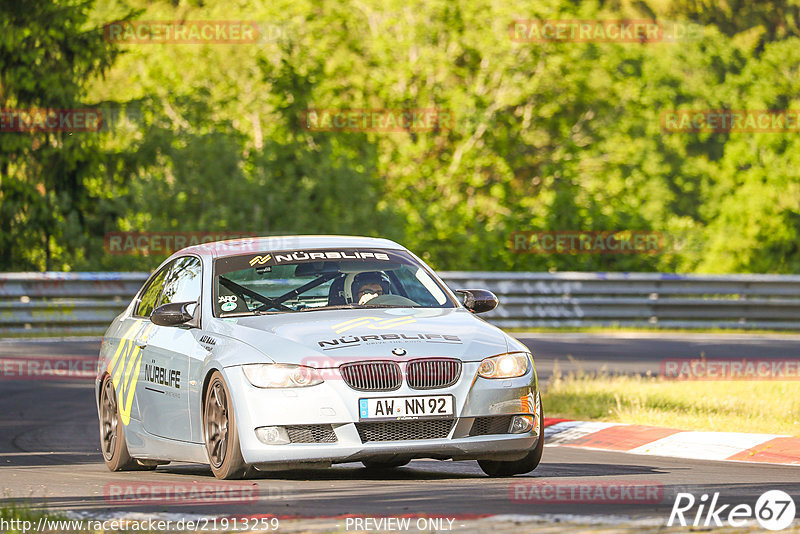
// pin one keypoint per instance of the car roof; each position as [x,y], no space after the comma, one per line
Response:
[250,245]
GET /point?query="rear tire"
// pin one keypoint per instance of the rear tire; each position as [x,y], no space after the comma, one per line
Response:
[112,433]
[220,433]
[496,468]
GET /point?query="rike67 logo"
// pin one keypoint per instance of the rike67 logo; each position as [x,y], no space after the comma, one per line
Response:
[774,510]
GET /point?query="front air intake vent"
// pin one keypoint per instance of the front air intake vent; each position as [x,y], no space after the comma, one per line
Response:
[311,434]
[372,376]
[433,373]
[485,426]
[404,430]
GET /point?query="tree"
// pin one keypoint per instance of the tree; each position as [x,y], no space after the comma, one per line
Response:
[47,178]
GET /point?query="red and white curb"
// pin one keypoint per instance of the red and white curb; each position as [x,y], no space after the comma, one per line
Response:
[657,441]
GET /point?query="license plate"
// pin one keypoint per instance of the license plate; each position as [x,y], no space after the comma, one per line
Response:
[427,407]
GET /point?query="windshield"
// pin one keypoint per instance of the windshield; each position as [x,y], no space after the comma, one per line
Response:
[297,281]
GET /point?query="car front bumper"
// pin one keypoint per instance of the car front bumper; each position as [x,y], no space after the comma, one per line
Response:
[334,406]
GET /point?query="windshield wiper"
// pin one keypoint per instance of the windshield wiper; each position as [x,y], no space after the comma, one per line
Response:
[249,313]
[334,307]
[356,307]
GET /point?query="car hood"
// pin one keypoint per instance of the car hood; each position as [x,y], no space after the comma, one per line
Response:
[328,338]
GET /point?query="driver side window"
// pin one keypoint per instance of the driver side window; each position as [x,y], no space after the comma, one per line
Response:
[149,298]
[184,281]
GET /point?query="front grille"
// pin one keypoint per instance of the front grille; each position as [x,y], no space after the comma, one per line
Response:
[404,430]
[372,376]
[498,424]
[432,373]
[311,434]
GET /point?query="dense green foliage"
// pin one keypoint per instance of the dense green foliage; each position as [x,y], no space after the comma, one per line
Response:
[50,184]
[547,136]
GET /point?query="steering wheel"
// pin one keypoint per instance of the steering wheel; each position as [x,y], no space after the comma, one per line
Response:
[390,300]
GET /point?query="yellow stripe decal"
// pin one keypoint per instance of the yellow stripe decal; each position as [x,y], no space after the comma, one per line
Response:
[354,325]
[124,339]
[126,404]
[338,325]
[373,323]
[392,322]
[127,360]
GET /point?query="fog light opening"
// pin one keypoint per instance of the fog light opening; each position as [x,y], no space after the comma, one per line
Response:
[272,435]
[521,424]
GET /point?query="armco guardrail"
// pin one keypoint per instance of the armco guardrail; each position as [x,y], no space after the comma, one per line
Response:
[85,303]
[64,303]
[639,299]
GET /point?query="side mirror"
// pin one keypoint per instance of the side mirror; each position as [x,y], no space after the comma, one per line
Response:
[478,300]
[173,314]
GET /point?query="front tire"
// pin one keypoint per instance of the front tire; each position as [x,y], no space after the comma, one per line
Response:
[220,432]
[496,468]
[112,433]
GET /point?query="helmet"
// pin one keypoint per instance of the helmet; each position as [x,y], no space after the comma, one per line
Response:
[369,277]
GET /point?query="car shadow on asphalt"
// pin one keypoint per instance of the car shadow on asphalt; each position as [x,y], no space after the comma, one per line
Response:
[422,470]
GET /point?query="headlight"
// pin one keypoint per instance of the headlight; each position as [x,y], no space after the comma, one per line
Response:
[278,375]
[505,365]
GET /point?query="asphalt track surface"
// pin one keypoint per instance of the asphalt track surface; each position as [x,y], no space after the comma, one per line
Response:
[49,450]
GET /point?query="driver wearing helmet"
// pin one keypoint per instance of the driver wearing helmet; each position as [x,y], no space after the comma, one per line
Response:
[368,285]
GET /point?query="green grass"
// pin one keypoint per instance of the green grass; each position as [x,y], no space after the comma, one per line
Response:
[15,511]
[771,407]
